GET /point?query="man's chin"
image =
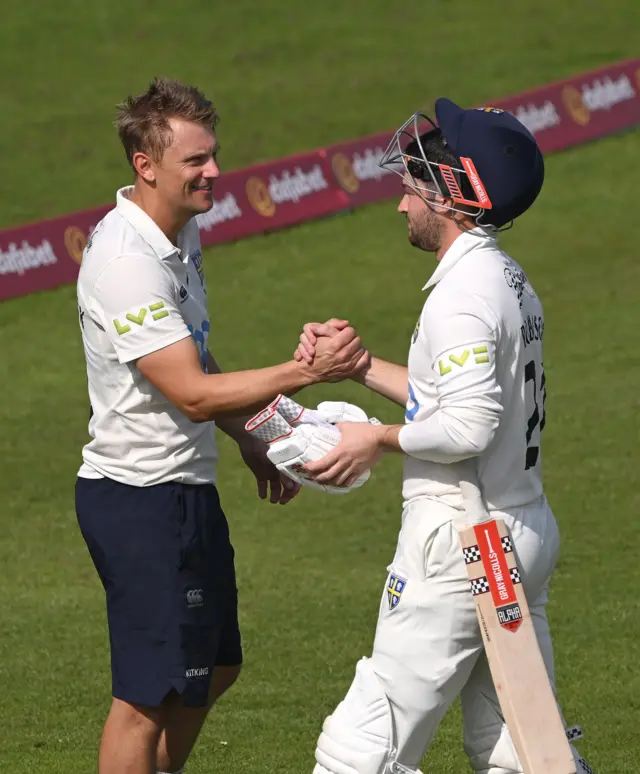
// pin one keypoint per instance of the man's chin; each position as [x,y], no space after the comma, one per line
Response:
[206,207]
[200,203]
[421,244]
[415,242]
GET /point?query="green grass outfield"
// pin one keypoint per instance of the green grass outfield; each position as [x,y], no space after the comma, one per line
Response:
[310,575]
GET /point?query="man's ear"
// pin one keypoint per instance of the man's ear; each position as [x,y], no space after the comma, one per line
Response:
[440,203]
[144,167]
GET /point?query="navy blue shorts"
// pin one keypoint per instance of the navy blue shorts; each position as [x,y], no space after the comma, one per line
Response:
[165,560]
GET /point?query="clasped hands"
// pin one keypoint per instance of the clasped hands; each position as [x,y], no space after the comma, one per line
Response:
[362,444]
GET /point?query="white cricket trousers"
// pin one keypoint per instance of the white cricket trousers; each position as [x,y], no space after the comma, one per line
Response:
[428,647]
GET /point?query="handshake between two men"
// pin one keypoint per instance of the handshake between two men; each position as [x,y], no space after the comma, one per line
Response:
[331,448]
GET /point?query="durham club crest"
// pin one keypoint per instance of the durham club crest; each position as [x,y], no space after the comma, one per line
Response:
[395,587]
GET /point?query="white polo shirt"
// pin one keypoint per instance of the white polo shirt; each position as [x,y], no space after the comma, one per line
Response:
[138,293]
[476,379]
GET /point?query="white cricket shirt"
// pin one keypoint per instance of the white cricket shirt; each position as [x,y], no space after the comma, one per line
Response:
[137,293]
[476,379]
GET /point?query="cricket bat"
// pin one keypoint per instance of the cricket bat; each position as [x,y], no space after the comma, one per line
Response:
[517,668]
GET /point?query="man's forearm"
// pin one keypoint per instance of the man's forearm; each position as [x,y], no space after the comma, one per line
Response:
[233,423]
[390,438]
[232,426]
[387,379]
[222,395]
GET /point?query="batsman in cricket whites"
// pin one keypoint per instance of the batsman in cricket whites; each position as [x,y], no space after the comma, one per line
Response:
[474,392]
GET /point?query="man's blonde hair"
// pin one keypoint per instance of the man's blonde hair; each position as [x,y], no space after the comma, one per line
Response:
[143,120]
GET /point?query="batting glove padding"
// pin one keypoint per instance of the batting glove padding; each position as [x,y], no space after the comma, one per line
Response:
[296,435]
[329,411]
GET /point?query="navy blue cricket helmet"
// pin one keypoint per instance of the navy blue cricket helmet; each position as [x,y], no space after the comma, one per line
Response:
[497,154]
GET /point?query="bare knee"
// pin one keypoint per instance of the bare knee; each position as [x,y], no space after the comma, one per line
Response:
[139,718]
[222,679]
[185,723]
[138,715]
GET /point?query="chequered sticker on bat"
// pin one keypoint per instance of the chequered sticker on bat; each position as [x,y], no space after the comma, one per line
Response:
[471,554]
[573,733]
[515,575]
[584,766]
[479,586]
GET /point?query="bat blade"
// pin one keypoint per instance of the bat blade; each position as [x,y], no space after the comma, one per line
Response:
[517,667]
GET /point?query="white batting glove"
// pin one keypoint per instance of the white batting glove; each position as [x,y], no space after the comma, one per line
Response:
[290,447]
[329,411]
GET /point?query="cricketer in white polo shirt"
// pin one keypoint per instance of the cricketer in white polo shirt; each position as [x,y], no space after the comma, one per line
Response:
[474,395]
[144,295]
[146,498]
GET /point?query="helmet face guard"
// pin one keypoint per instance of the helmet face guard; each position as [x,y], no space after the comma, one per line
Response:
[412,168]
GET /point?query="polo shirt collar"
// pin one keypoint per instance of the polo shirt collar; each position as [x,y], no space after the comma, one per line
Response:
[467,241]
[145,226]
